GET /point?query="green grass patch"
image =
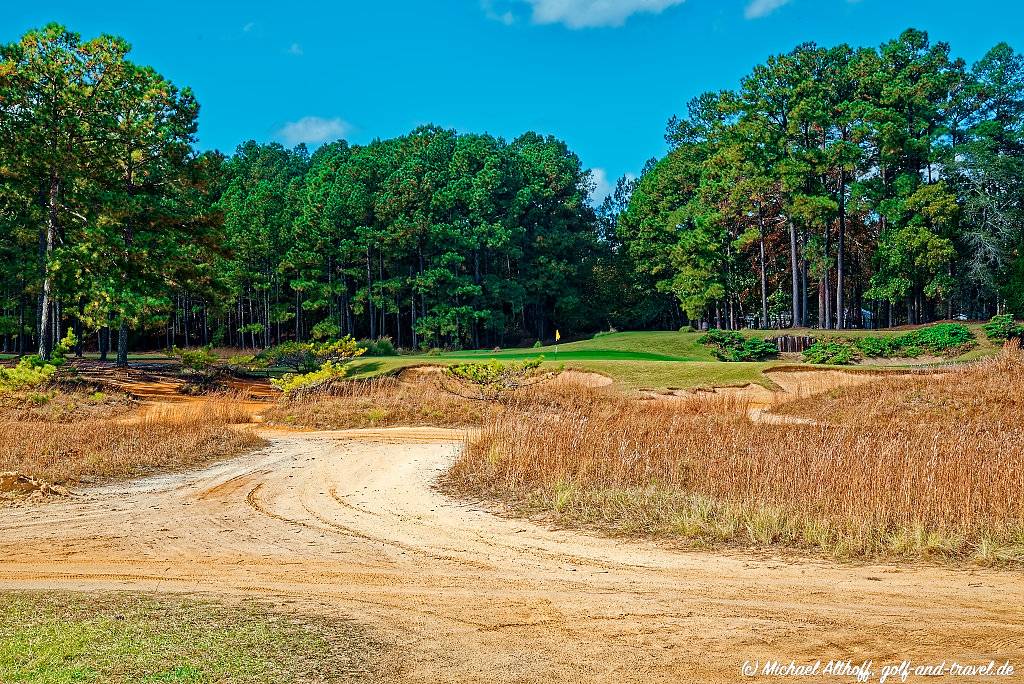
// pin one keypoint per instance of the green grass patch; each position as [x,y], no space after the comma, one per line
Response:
[58,638]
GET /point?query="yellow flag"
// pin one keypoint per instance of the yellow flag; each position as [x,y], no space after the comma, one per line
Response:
[558,336]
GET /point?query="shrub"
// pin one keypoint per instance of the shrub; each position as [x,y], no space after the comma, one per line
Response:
[29,373]
[687,329]
[730,345]
[201,360]
[947,339]
[831,352]
[602,333]
[306,357]
[63,348]
[756,349]
[382,347]
[492,380]
[941,338]
[1002,328]
[538,344]
[878,347]
[313,382]
[33,371]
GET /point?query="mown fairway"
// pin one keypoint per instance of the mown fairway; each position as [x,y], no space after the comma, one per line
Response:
[636,360]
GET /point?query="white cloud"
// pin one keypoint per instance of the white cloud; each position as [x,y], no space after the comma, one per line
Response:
[312,129]
[592,13]
[762,8]
[507,17]
[602,186]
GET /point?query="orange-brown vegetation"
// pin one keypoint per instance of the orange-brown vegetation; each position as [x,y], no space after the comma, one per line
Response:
[99,446]
[921,467]
[380,402]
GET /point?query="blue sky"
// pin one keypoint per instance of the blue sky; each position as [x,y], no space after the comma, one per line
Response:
[604,75]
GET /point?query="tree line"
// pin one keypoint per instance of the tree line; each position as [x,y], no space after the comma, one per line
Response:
[835,187]
[116,227]
[839,187]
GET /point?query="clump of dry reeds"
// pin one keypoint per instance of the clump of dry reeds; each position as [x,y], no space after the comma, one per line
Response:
[928,466]
[165,437]
[378,402]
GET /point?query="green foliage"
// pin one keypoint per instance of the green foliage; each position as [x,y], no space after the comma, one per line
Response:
[313,382]
[30,372]
[63,348]
[878,346]
[941,338]
[492,380]
[33,371]
[948,339]
[199,360]
[897,166]
[1002,328]
[731,345]
[326,329]
[379,347]
[830,352]
[306,357]
[252,328]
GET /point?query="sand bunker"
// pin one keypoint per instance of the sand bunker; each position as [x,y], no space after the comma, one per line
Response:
[16,487]
[791,385]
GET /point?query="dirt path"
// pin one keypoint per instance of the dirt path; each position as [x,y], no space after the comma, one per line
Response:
[348,523]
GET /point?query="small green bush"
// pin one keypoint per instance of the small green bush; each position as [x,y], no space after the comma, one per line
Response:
[878,347]
[687,329]
[199,360]
[492,380]
[30,372]
[382,347]
[1002,328]
[948,339]
[731,345]
[941,338]
[307,357]
[314,381]
[830,352]
[538,344]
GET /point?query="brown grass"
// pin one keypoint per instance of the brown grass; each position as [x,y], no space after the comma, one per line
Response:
[65,403]
[379,402]
[927,467]
[164,437]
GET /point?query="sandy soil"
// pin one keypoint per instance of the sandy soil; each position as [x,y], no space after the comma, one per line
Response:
[348,523]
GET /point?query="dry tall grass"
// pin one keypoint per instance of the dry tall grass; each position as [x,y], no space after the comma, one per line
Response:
[380,402]
[922,467]
[167,437]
